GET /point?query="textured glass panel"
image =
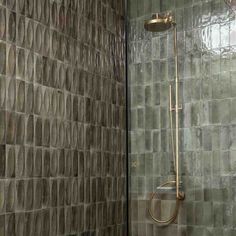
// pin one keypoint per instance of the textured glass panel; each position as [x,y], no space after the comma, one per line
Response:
[206,39]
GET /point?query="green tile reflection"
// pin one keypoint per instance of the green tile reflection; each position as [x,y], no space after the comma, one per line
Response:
[207,70]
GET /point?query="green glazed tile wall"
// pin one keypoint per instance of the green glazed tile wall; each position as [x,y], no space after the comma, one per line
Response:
[62,126]
[207,61]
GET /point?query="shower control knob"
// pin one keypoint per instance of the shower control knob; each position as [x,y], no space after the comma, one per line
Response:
[155,16]
[181,196]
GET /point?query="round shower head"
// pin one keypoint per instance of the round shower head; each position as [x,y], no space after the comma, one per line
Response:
[159,23]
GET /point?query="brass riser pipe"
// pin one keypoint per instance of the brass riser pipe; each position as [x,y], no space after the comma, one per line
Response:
[179,195]
[176,112]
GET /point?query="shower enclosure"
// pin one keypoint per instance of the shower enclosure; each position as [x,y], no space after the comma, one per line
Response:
[63,156]
[206,33]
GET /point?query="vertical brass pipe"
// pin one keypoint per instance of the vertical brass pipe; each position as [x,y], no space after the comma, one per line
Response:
[176,112]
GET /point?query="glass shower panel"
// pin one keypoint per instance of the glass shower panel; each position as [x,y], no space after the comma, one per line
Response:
[207,59]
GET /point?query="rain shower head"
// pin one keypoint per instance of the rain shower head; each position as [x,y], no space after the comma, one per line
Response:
[159,23]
